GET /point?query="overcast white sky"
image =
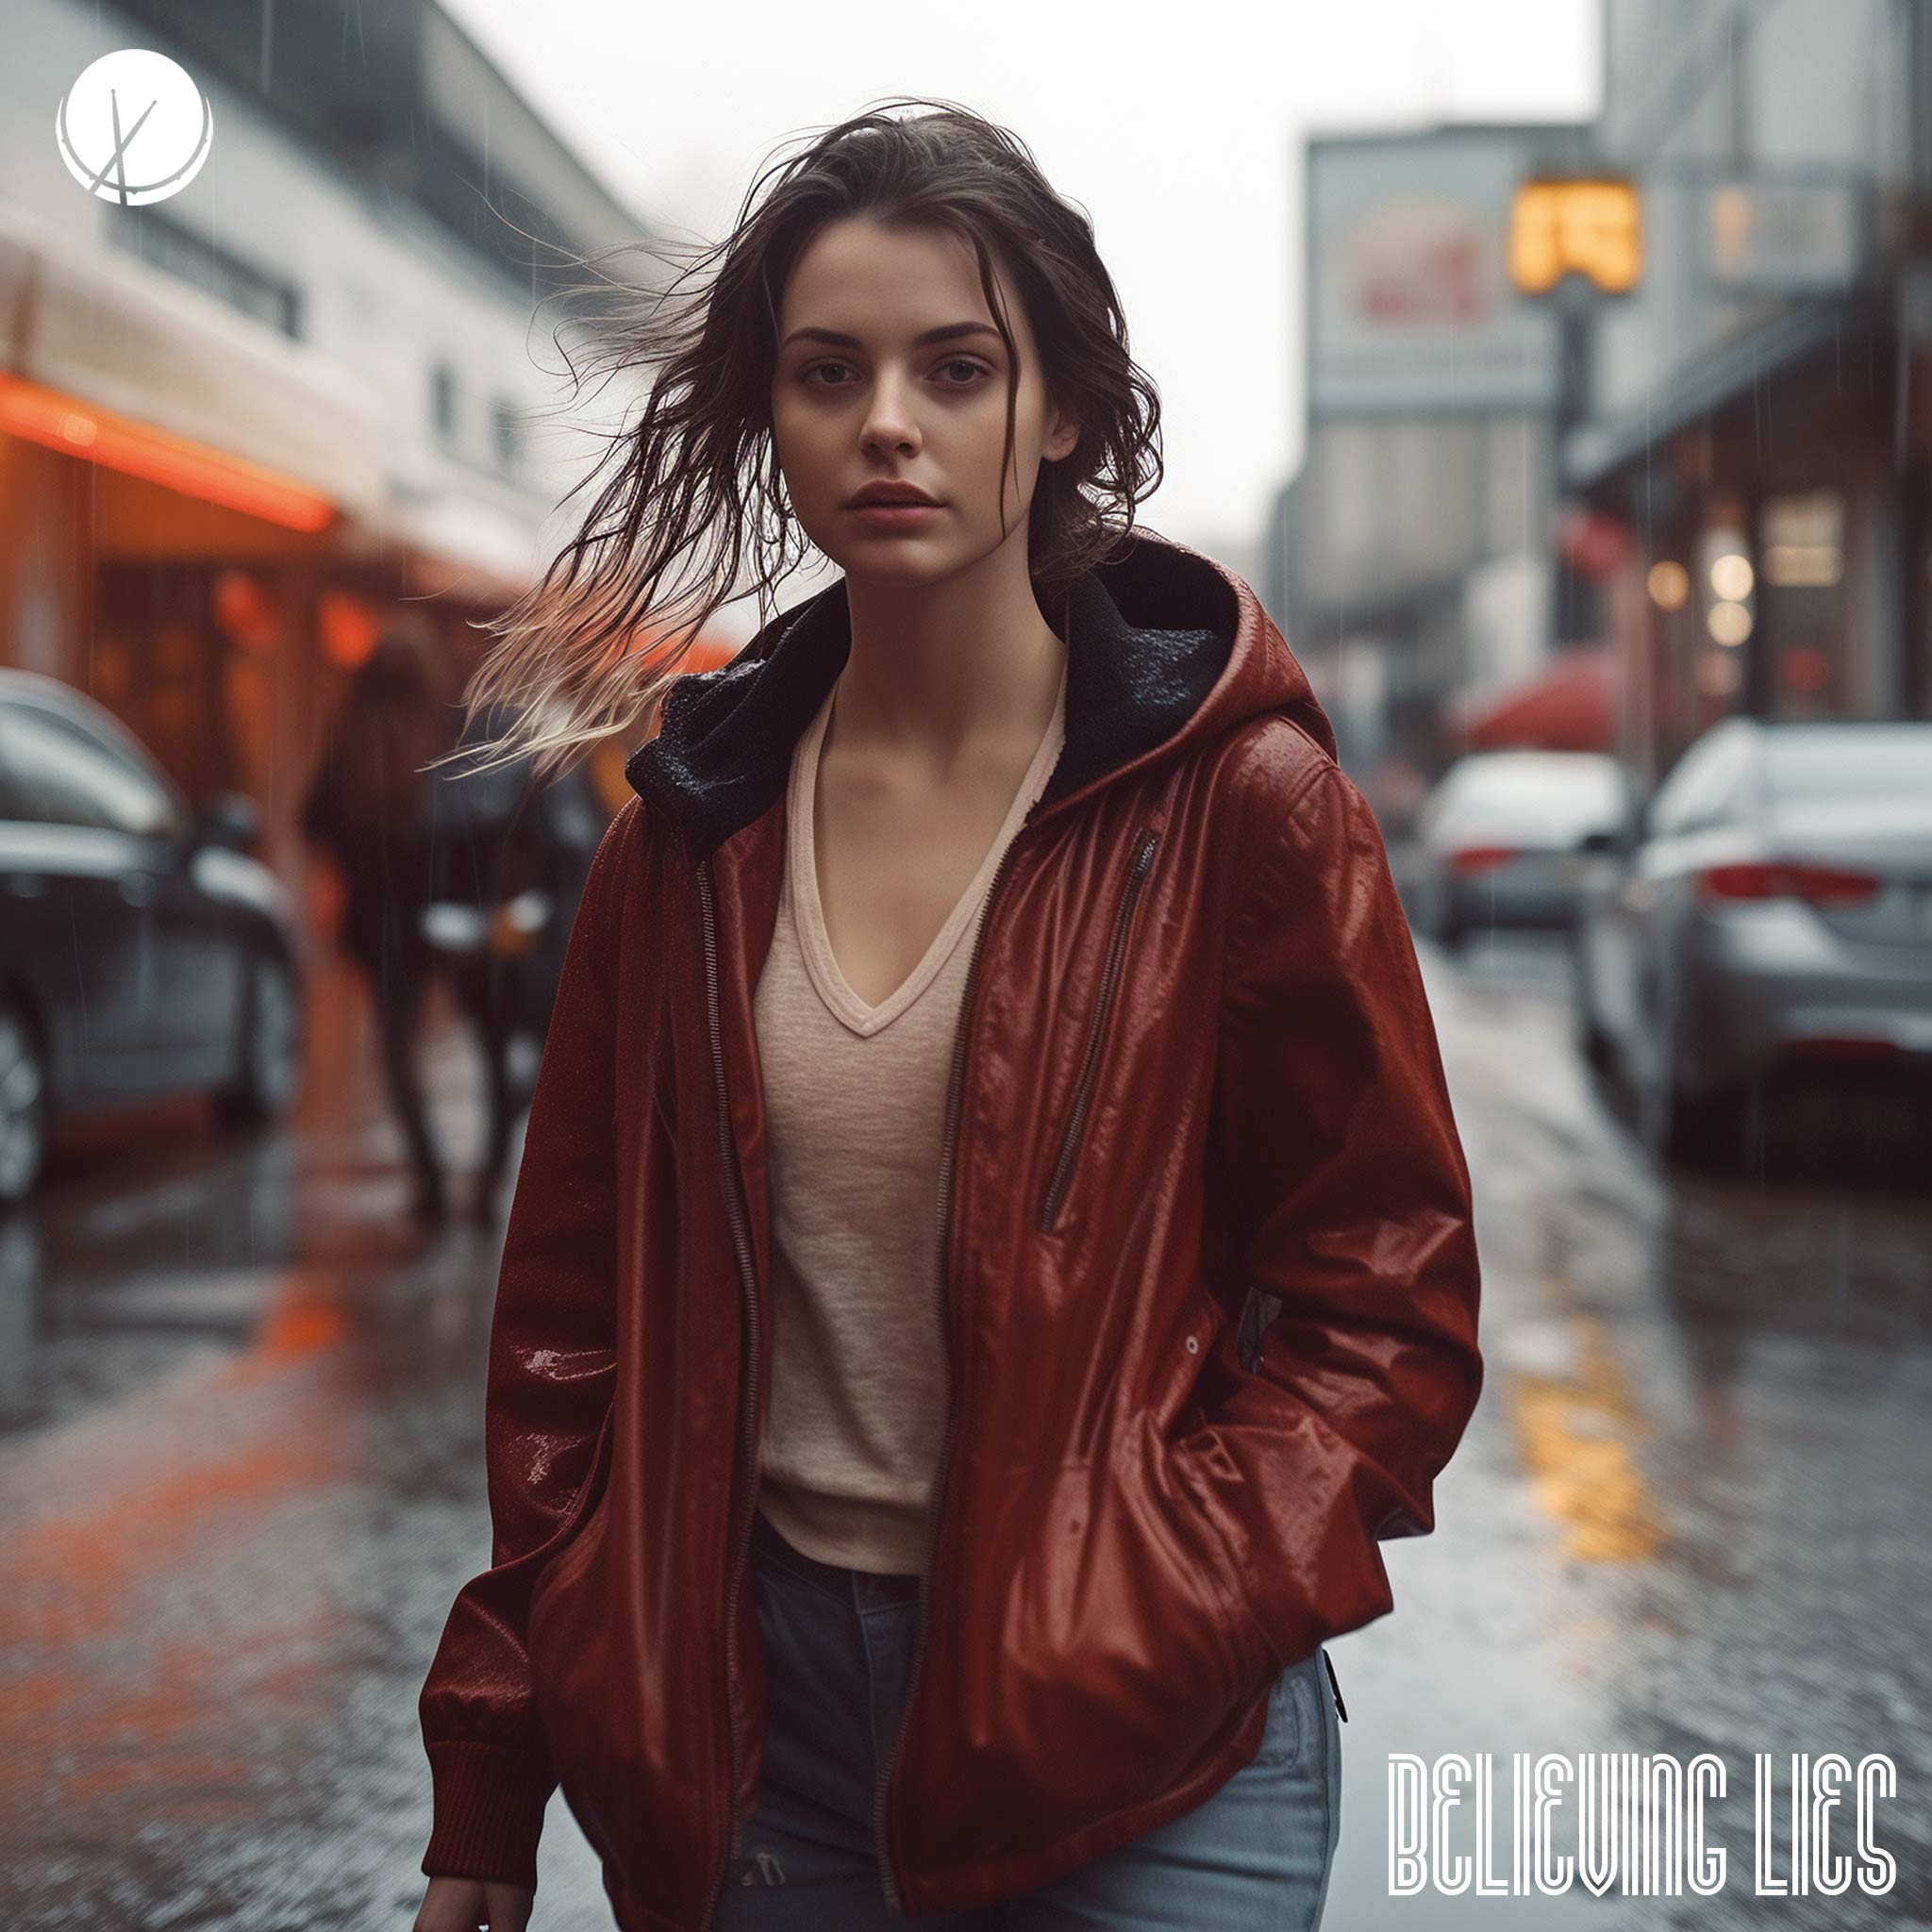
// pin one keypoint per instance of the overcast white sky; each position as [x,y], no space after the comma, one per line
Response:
[1177,127]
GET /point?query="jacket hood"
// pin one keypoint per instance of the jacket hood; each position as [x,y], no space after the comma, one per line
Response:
[1166,650]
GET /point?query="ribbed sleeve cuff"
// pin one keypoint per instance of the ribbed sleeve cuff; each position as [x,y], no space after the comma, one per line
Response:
[488,1803]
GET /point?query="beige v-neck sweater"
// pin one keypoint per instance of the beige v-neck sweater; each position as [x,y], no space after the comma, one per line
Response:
[854,1100]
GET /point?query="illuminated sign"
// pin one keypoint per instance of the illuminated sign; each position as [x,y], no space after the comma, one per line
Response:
[1586,227]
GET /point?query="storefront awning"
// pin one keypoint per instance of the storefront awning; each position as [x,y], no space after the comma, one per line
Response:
[1725,370]
[82,331]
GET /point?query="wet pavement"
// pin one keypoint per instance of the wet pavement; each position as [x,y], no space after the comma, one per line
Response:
[240,1479]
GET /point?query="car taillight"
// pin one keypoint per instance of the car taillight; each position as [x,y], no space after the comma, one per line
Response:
[1480,857]
[1775,879]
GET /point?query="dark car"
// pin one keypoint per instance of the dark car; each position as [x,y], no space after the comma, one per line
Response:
[1771,904]
[142,953]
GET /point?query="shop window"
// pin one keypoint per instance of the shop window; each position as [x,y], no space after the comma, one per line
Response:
[1803,561]
[1804,540]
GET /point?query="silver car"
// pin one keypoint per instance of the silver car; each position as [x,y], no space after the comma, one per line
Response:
[1499,837]
[1771,906]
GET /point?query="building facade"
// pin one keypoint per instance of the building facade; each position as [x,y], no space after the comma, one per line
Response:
[1410,557]
[1759,410]
[241,427]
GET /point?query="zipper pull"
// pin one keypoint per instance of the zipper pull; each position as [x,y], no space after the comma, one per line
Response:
[1341,1708]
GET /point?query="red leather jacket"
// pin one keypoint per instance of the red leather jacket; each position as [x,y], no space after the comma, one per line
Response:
[1195,1068]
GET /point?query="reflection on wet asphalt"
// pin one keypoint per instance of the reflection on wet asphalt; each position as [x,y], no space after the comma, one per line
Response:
[242,1481]
[240,1478]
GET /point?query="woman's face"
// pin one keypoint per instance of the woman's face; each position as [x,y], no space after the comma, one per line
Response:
[858,398]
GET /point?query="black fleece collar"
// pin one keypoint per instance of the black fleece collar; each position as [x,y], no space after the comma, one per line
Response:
[722,754]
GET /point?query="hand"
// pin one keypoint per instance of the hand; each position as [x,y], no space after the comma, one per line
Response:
[461,1904]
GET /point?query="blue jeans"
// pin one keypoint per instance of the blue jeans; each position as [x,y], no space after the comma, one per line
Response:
[1255,1856]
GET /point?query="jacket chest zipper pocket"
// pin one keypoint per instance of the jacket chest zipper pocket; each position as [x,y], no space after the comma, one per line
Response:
[1096,1028]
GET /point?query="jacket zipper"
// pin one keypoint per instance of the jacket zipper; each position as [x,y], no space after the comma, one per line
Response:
[936,1503]
[1090,1070]
[734,1202]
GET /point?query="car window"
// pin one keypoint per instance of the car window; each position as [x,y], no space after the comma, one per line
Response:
[1855,761]
[58,773]
[1708,785]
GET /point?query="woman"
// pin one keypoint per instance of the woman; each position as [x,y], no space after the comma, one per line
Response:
[993,998]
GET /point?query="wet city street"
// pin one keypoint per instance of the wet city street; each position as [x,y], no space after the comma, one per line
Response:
[240,1478]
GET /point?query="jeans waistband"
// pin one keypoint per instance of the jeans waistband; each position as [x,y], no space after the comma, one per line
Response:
[858,1587]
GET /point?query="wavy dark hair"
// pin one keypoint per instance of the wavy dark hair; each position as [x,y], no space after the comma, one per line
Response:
[699,466]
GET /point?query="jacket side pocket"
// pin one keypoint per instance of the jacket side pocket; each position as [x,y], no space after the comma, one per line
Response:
[1227,1574]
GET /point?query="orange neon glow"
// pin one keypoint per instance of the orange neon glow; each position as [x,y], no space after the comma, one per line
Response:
[348,629]
[119,442]
[705,653]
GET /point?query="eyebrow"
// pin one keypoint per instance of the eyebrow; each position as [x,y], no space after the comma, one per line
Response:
[947,332]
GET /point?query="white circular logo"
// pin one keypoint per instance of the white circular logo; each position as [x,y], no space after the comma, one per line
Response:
[134,127]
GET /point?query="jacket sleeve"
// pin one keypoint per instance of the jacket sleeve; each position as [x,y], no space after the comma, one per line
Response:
[1353,1208]
[551,1378]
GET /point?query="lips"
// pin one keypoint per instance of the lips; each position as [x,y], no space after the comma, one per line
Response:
[888,497]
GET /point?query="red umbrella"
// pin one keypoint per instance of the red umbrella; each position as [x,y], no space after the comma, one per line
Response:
[1569,705]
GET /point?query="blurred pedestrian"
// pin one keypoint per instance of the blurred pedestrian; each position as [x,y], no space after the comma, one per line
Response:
[367,807]
[506,861]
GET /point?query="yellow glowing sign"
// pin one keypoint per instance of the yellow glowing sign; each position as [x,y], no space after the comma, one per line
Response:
[1590,228]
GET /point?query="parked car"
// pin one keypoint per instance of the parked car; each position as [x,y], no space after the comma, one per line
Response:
[1498,838]
[1770,904]
[142,953]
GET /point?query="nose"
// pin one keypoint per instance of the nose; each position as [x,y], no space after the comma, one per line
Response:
[890,421]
